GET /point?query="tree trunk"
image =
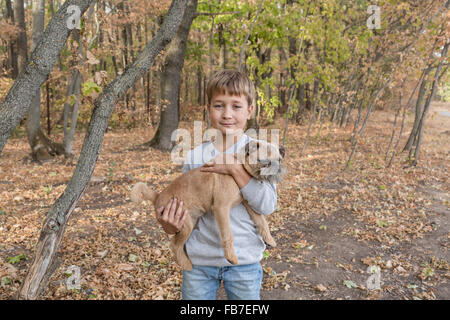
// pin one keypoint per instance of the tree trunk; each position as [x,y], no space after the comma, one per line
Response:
[403,119]
[428,103]
[12,55]
[58,216]
[242,61]
[22,52]
[199,86]
[419,109]
[282,77]
[313,114]
[18,100]
[223,48]
[171,82]
[38,149]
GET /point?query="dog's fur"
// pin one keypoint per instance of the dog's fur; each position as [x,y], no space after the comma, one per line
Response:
[202,192]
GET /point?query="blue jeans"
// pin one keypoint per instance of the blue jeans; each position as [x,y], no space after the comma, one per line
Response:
[241,282]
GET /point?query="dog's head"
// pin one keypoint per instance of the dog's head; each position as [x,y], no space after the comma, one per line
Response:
[262,160]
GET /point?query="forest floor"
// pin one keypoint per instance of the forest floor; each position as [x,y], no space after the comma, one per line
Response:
[333,227]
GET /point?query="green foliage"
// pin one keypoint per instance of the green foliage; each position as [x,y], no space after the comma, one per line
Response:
[18,258]
[444,91]
[89,87]
[350,284]
[111,170]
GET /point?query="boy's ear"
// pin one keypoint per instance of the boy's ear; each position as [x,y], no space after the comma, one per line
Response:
[250,110]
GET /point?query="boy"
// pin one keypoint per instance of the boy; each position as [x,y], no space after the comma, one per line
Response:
[230,104]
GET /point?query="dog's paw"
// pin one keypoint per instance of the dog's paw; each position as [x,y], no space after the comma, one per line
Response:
[232,258]
[271,242]
[186,264]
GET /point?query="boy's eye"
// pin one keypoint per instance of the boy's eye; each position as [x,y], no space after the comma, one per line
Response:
[238,106]
[218,106]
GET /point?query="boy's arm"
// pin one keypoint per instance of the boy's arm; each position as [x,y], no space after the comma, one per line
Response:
[260,195]
[187,162]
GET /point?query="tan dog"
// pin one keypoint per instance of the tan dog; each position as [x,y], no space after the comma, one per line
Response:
[202,192]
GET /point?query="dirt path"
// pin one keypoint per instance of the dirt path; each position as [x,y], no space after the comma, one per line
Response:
[330,225]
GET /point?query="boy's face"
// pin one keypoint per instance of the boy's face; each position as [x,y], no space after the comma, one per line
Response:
[229,114]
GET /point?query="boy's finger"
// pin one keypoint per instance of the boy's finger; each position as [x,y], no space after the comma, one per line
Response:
[165,213]
[183,217]
[172,210]
[179,211]
[159,211]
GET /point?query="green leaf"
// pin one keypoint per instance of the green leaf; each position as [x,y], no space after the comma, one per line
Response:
[427,272]
[89,87]
[349,284]
[18,258]
[382,223]
[2,212]
[48,189]
[5,281]
[382,187]
[266,254]
[132,257]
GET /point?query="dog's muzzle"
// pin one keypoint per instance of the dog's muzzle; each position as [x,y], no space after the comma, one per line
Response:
[271,168]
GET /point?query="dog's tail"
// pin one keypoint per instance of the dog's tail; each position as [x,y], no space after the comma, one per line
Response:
[141,192]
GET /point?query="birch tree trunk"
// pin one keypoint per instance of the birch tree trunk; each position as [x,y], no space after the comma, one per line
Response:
[59,214]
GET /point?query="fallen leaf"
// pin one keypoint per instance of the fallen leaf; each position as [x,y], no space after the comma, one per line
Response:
[321,288]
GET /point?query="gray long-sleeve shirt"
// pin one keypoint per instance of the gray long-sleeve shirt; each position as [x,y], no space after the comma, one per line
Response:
[204,245]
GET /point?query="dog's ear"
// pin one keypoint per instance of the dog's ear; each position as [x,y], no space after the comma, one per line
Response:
[282,151]
[251,146]
[247,148]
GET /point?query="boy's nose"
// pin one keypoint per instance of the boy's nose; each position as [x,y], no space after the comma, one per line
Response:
[226,113]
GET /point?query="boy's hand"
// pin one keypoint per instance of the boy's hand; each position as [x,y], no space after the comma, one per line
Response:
[171,218]
[224,163]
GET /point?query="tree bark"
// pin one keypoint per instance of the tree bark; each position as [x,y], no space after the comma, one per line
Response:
[418,110]
[171,82]
[58,216]
[22,52]
[38,149]
[403,119]
[18,100]
[12,55]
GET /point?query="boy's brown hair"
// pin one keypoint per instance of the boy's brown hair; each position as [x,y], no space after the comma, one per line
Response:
[233,82]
